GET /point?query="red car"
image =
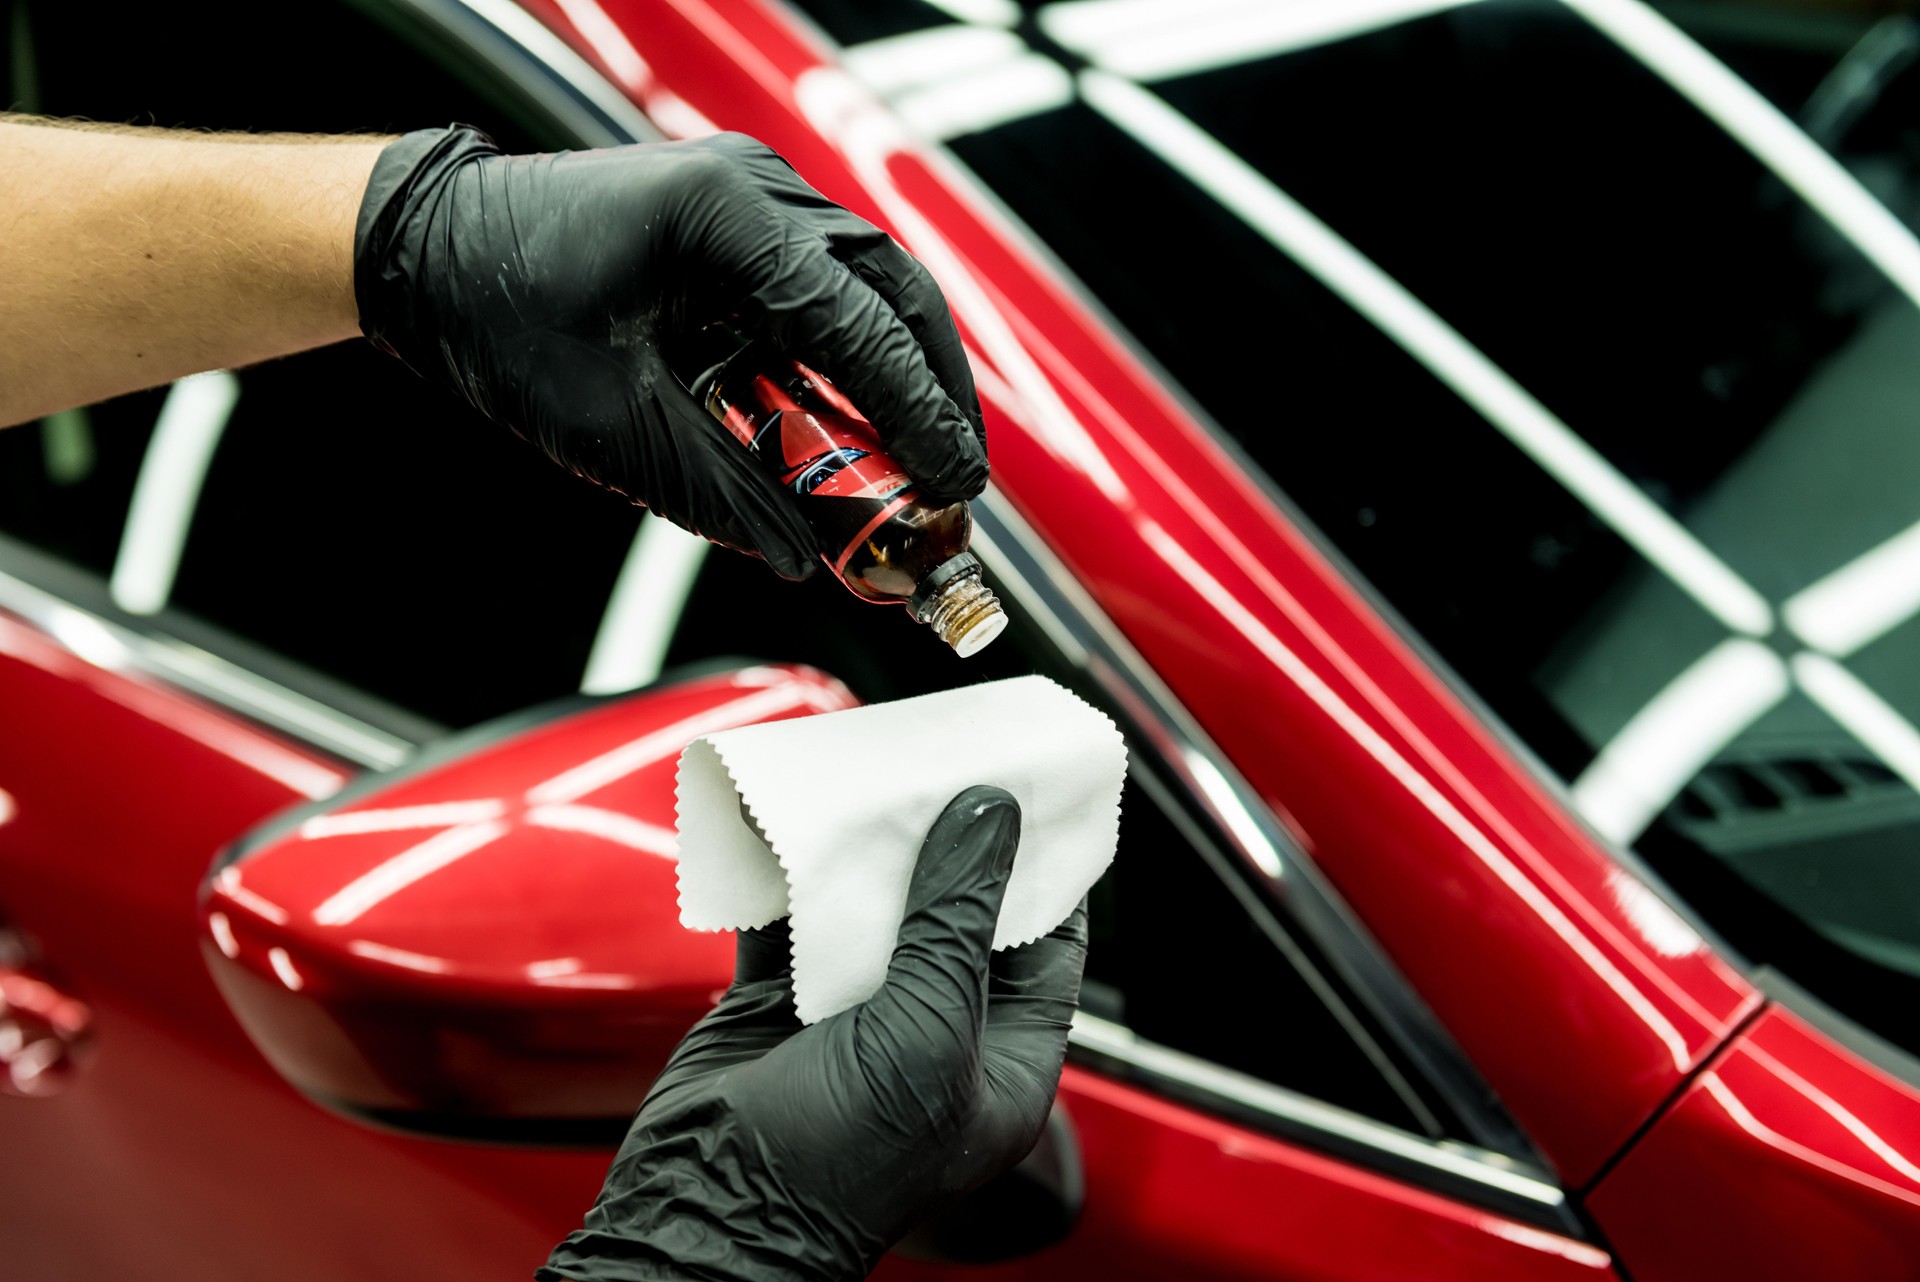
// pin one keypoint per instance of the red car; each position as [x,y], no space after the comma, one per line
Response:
[1468,446]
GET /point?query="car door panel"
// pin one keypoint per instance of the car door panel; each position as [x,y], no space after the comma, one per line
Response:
[176,1151]
[1793,1159]
[1173,1192]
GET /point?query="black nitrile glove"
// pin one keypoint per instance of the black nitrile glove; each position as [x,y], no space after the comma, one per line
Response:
[772,1152]
[540,288]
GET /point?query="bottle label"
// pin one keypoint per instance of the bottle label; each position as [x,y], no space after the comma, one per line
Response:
[834,463]
[830,456]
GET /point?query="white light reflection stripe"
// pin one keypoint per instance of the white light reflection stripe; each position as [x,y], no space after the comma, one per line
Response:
[283,967]
[222,931]
[1436,345]
[1659,926]
[230,886]
[1743,1118]
[587,981]
[443,814]
[533,35]
[644,607]
[609,41]
[612,766]
[610,825]
[1861,601]
[399,957]
[1158,39]
[1866,716]
[185,436]
[1764,130]
[929,55]
[1025,86]
[1675,734]
[388,879]
[996,13]
[1552,1243]
[1875,1142]
[1422,789]
[1227,805]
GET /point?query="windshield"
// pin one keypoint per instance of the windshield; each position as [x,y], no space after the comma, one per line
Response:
[1615,419]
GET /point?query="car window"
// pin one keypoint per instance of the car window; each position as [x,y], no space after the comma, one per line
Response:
[1181,952]
[1615,420]
[344,514]
[65,481]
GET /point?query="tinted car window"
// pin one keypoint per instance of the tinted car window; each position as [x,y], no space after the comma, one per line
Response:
[360,521]
[353,519]
[1597,243]
[66,480]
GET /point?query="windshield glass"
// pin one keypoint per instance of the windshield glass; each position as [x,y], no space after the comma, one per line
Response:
[1619,424]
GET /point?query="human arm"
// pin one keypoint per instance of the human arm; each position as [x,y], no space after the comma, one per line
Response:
[772,1152]
[131,257]
[541,289]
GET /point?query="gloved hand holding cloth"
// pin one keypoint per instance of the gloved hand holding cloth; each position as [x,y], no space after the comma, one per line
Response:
[770,1151]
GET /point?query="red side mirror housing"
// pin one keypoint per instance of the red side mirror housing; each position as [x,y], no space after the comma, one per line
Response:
[487,941]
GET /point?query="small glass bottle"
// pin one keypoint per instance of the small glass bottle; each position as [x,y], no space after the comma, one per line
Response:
[884,541]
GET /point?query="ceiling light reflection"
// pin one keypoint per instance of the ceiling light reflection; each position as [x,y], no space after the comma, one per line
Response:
[1864,714]
[222,931]
[283,967]
[444,814]
[1861,601]
[1669,740]
[609,825]
[410,865]
[1159,39]
[230,885]
[398,957]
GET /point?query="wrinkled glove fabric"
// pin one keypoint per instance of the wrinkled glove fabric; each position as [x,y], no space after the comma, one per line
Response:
[541,289]
[769,1151]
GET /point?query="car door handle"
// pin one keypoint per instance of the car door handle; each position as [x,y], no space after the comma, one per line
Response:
[43,1034]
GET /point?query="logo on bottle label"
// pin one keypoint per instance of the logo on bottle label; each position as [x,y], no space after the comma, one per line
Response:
[830,455]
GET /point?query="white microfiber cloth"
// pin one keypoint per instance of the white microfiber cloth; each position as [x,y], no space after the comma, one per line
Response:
[846,798]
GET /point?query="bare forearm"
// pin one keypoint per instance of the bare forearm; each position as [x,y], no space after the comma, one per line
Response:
[131,257]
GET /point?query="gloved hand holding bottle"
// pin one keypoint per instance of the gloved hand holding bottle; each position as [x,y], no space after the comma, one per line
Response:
[769,1151]
[542,288]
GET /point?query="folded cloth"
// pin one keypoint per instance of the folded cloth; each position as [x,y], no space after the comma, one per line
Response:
[845,799]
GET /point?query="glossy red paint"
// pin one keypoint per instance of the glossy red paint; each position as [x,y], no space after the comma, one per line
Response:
[1525,936]
[1172,1193]
[1789,1158]
[177,1151]
[496,937]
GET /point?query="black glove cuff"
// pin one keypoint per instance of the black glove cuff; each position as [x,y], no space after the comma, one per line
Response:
[407,180]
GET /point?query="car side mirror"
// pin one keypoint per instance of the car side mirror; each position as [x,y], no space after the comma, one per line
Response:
[486,942]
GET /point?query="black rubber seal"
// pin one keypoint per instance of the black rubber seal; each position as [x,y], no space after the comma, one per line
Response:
[954,567]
